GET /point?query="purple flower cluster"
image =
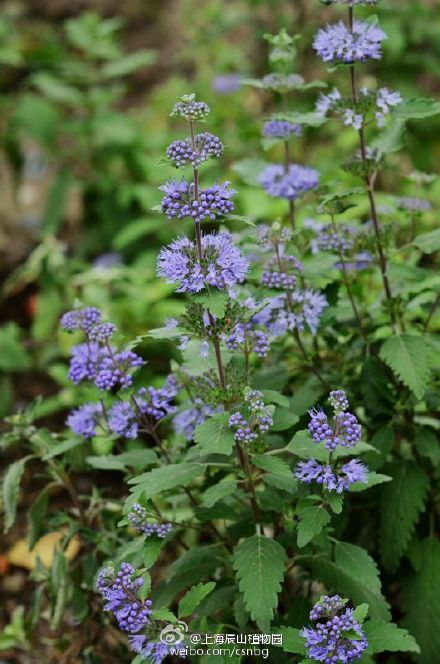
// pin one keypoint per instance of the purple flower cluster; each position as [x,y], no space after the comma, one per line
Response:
[96,360]
[336,637]
[246,335]
[281,129]
[277,273]
[185,422]
[380,102]
[291,183]
[190,109]
[346,429]
[258,418]
[138,520]
[114,370]
[207,146]
[282,315]
[84,420]
[222,265]
[328,240]
[337,43]
[413,204]
[226,84]
[212,203]
[119,591]
[122,418]
[80,319]
[332,478]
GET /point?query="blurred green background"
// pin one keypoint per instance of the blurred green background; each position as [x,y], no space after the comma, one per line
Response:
[86,90]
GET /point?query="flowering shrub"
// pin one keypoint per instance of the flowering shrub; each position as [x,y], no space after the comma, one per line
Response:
[302,367]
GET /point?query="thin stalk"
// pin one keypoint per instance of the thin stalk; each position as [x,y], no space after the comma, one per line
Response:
[369,183]
[431,312]
[348,286]
[296,333]
[287,162]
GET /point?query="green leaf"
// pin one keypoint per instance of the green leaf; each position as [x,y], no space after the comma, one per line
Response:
[387,637]
[272,464]
[352,573]
[416,109]
[292,640]
[372,480]
[10,490]
[164,478]
[128,64]
[409,357]
[272,396]
[304,447]
[56,89]
[218,492]
[421,602]
[360,613]
[63,447]
[284,419]
[137,459]
[402,501]
[215,301]
[13,356]
[214,436]
[391,139]
[259,563]
[312,520]
[428,242]
[428,445]
[307,119]
[193,597]
[37,513]
[166,333]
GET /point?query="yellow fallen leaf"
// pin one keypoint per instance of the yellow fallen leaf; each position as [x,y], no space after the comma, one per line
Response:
[20,555]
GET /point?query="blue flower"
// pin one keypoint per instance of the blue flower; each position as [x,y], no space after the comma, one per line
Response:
[337,636]
[222,265]
[336,43]
[291,183]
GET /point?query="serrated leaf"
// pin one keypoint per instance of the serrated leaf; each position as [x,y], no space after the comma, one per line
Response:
[428,242]
[259,563]
[133,458]
[284,419]
[372,480]
[292,640]
[421,602]
[415,109]
[162,479]
[428,445]
[409,358]
[36,515]
[272,464]
[312,521]
[391,139]
[193,597]
[218,491]
[11,489]
[352,573]
[166,333]
[402,501]
[387,637]
[214,436]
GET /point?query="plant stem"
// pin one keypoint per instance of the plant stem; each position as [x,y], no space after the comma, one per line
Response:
[369,183]
[348,285]
[431,312]
[286,168]
[296,333]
